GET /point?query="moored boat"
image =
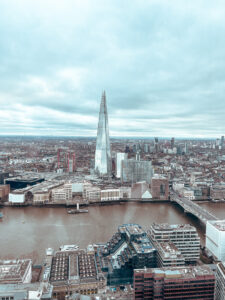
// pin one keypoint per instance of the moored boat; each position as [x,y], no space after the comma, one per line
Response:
[77,211]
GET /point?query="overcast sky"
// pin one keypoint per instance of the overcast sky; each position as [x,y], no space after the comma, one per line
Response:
[161,63]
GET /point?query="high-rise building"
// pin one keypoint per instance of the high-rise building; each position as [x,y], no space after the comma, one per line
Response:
[156,144]
[103,162]
[184,237]
[119,157]
[136,170]
[215,238]
[222,141]
[172,143]
[174,283]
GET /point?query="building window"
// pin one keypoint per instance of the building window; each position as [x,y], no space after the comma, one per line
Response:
[162,189]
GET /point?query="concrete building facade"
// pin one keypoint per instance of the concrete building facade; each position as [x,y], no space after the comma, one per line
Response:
[215,238]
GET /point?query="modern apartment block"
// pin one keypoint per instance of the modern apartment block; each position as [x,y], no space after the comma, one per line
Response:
[174,283]
[128,249]
[183,236]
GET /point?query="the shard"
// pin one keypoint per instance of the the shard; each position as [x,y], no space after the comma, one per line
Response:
[103,162]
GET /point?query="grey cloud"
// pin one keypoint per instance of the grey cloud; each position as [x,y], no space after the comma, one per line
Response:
[158,57]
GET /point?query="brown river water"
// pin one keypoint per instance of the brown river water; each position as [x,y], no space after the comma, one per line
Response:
[27,232]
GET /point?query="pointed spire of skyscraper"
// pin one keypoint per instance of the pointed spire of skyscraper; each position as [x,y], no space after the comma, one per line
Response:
[103,163]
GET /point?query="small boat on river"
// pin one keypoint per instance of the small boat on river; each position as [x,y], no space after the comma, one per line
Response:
[77,211]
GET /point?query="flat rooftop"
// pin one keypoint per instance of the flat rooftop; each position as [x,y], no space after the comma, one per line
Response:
[219,224]
[169,250]
[131,229]
[13,270]
[178,272]
[173,227]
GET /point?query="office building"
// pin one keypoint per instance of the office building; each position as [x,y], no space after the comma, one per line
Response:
[136,170]
[160,187]
[174,283]
[103,161]
[220,281]
[172,143]
[156,144]
[168,255]
[222,142]
[63,193]
[215,238]
[119,158]
[183,236]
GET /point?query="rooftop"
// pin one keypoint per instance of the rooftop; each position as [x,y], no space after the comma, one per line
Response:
[172,227]
[219,224]
[179,272]
[13,271]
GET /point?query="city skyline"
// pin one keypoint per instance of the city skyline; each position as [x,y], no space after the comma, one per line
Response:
[160,62]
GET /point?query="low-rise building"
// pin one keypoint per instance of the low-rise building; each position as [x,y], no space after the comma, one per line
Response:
[110,194]
[75,272]
[4,192]
[63,193]
[217,192]
[16,198]
[15,271]
[93,194]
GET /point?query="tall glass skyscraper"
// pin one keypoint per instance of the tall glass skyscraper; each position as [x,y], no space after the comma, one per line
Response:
[103,162]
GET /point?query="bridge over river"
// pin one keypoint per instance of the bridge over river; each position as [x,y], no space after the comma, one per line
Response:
[192,207]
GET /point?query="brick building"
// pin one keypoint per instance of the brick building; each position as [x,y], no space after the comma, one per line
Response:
[160,187]
[174,283]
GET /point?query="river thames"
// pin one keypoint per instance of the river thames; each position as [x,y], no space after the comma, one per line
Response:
[27,232]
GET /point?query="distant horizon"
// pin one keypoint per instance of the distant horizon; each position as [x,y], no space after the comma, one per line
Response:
[111,137]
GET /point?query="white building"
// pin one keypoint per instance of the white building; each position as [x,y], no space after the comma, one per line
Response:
[215,238]
[15,271]
[110,194]
[188,193]
[62,194]
[16,198]
[119,157]
[92,194]
[183,236]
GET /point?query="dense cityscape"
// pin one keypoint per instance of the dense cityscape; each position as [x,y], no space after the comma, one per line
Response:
[158,261]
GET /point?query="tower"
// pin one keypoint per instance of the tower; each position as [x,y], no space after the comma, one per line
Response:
[103,163]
